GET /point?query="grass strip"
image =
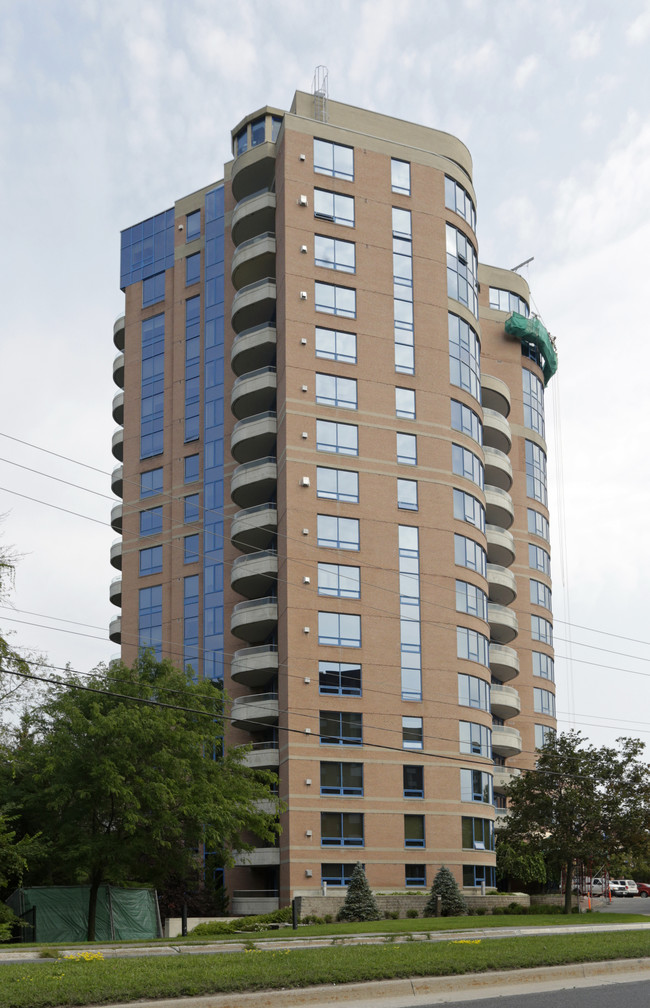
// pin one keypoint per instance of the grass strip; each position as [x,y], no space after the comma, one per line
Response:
[68,982]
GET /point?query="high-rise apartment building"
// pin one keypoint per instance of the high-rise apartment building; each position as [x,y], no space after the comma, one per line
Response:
[333,490]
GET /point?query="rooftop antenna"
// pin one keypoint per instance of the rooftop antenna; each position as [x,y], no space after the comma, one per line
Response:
[524,263]
[319,88]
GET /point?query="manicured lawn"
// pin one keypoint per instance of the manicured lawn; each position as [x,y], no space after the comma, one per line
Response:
[60,982]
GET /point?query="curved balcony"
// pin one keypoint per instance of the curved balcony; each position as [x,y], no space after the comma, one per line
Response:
[115,591]
[253,305]
[256,712]
[253,348]
[118,332]
[258,857]
[254,482]
[500,546]
[256,620]
[254,437]
[502,776]
[115,630]
[495,394]
[253,216]
[255,666]
[263,756]
[498,469]
[504,662]
[116,517]
[496,431]
[505,741]
[118,407]
[504,701]
[118,370]
[254,393]
[255,528]
[253,169]
[117,444]
[504,626]
[255,574]
[116,554]
[499,509]
[502,585]
[117,480]
[253,260]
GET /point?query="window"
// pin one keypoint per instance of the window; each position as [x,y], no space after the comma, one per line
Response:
[540,594]
[337,484]
[339,679]
[341,829]
[190,548]
[336,874]
[533,402]
[151,521]
[543,734]
[543,666]
[334,253]
[191,468]
[407,494]
[334,207]
[407,450]
[466,464]
[258,132]
[340,629]
[193,225]
[241,141]
[152,397]
[475,739]
[473,692]
[413,781]
[476,786]
[340,438]
[414,831]
[340,728]
[151,483]
[333,159]
[331,390]
[153,289]
[538,524]
[415,875]
[339,580]
[335,300]
[191,508]
[543,702]
[405,403]
[150,618]
[401,223]
[460,201]
[478,875]
[539,559]
[332,344]
[471,599]
[472,646]
[193,269]
[338,533]
[466,420]
[468,553]
[341,779]
[462,269]
[400,176]
[536,473]
[478,834]
[541,630]
[412,735]
[464,356]
[151,560]
[508,301]
[469,509]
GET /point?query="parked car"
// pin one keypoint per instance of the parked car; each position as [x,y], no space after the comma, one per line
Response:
[623,887]
[643,889]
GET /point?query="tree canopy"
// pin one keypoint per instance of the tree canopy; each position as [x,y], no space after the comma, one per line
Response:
[581,804]
[125,777]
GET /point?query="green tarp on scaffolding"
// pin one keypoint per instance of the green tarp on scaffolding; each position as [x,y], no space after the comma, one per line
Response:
[60,913]
[531,330]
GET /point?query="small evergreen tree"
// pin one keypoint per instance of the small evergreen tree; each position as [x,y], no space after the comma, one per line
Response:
[359,903]
[452,902]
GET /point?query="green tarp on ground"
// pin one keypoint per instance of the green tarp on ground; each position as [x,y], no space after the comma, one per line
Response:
[531,330]
[61,913]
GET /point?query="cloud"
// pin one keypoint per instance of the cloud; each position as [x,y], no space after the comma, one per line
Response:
[585,44]
[526,69]
[638,30]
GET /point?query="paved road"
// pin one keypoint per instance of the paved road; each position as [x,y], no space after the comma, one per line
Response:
[621,994]
[621,904]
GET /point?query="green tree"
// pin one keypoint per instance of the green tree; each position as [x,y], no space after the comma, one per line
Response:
[360,904]
[127,778]
[581,804]
[518,865]
[452,901]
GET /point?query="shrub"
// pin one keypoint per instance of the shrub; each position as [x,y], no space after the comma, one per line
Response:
[452,902]
[360,904]
[479,911]
[260,922]
[411,912]
[328,918]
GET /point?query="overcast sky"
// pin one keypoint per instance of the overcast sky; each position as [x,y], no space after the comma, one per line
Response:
[109,111]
